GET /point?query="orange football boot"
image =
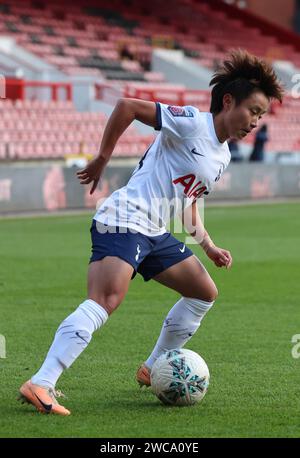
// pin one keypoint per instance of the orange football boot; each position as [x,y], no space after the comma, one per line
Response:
[143,376]
[42,398]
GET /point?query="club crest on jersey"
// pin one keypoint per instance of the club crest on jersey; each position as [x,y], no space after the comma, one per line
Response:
[192,187]
[180,111]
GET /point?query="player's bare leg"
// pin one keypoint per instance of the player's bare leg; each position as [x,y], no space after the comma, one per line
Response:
[108,282]
[191,280]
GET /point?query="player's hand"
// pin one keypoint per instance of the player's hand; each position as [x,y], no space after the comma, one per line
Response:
[91,173]
[221,257]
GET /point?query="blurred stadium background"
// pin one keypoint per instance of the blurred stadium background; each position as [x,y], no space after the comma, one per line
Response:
[63,66]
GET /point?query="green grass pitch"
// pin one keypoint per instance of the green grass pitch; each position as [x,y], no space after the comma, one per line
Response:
[245,339]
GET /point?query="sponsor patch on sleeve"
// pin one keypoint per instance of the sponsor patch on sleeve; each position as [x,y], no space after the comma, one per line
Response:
[180,111]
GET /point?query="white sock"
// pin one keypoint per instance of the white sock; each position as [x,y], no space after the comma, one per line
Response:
[72,337]
[181,323]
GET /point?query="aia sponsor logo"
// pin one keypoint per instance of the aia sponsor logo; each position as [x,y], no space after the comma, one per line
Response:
[192,187]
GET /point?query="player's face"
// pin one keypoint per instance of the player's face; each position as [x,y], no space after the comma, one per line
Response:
[241,119]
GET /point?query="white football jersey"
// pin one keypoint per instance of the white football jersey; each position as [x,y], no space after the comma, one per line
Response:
[183,164]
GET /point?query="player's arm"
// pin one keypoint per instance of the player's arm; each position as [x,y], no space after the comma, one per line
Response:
[126,111]
[193,224]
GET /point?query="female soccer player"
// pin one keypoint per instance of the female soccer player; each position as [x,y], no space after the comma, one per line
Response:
[129,229]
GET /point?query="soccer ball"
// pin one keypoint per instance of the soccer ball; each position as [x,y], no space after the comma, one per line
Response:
[180,377]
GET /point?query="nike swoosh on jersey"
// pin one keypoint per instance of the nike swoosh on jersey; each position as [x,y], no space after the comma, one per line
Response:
[182,249]
[195,152]
[47,407]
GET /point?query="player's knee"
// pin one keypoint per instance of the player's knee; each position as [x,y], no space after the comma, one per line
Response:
[111,301]
[210,293]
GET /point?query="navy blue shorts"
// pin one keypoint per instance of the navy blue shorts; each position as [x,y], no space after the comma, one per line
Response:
[147,255]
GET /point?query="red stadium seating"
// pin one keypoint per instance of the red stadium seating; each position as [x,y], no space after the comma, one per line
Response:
[88,40]
[92,37]
[54,130]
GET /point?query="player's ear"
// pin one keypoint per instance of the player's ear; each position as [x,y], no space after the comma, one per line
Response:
[228,101]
